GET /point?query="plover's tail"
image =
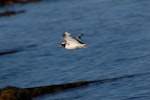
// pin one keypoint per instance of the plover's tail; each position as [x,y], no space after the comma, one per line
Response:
[85,46]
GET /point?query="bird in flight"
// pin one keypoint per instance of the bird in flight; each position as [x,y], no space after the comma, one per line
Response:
[72,42]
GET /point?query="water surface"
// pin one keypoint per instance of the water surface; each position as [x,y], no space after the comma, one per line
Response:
[118,35]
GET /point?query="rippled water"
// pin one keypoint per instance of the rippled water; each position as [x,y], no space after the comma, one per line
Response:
[118,35]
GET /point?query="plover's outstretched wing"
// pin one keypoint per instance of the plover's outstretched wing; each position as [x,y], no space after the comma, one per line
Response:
[78,37]
[66,36]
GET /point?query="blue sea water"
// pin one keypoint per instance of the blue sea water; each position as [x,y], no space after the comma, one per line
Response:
[118,35]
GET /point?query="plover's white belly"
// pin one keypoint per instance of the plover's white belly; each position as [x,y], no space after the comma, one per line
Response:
[71,46]
[74,46]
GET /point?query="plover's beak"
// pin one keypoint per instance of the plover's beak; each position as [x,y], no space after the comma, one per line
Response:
[60,46]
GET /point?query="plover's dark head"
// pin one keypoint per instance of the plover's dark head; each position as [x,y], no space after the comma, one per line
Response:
[62,44]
